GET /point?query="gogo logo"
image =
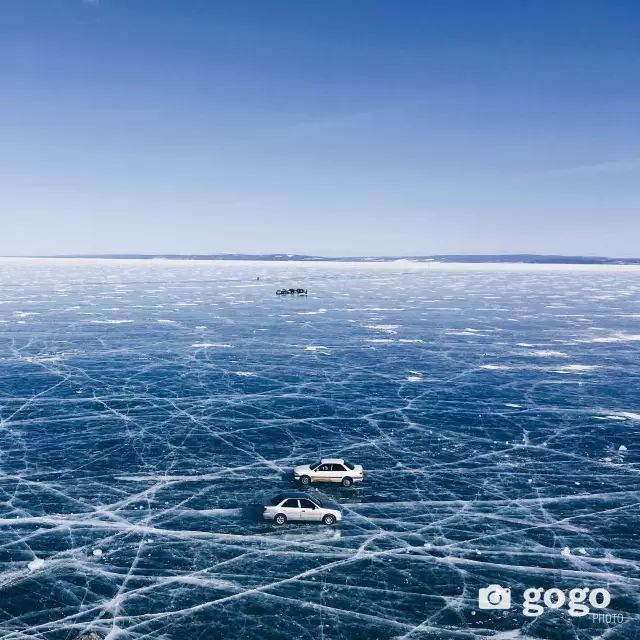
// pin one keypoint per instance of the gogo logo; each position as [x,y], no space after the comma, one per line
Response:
[555,598]
[578,601]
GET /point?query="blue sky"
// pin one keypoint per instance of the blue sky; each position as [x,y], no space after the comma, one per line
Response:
[331,127]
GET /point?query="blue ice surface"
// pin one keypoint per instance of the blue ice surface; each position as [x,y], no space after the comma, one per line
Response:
[147,408]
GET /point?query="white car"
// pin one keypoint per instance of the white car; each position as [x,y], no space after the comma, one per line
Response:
[329,470]
[296,506]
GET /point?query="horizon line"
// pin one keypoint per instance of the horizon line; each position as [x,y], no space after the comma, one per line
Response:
[290,257]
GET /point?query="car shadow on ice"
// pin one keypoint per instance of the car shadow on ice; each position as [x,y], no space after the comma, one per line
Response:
[252,512]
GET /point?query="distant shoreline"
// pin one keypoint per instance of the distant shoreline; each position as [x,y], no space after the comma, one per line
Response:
[286,257]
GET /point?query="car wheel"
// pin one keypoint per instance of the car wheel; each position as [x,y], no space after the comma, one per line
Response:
[280,518]
[328,519]
[305,480]
[347,482]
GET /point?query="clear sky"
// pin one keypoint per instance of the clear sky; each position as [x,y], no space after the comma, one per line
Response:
[335,127]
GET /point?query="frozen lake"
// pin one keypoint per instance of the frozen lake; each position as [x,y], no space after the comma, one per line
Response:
[147,408]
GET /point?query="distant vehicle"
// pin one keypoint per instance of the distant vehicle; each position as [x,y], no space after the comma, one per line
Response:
[329,470]
[297,506]
[291,292]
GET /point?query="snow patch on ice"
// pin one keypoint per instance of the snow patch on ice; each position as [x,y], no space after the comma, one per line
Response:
[623,415]
[616,337]
[547,353]
[211,345]
[576,368]
[384,328]
[36,564]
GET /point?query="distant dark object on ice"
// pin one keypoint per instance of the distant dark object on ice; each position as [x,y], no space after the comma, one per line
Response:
[291,292]
[92,635]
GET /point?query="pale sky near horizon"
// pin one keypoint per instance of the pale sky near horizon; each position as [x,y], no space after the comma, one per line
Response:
[333,127]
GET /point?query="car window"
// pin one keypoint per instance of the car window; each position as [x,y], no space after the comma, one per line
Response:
[277,500]
[337,467]
[325,467]
[307,504]
[291,504]
[315,465]
[349,465]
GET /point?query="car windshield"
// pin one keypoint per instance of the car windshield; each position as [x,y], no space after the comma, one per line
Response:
[315,465]
[316,501]
[349,465]
[277,500]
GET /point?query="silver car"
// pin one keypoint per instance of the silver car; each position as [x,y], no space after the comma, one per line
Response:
[295,506]
[329,470]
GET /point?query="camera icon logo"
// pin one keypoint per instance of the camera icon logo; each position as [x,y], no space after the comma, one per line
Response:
[494,597]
